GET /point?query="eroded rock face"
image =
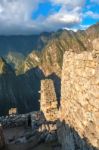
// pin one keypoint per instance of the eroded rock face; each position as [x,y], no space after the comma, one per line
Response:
[48,102]
[80,99]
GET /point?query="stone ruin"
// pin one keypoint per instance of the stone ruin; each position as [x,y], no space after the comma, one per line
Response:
[48,103]
[78,126]
[12,111]
[80,100]
[95,44]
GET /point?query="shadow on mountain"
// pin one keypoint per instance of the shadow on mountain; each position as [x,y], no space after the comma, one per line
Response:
[23,44]
[30,86]
[22,91]
[70,139]
[28,91]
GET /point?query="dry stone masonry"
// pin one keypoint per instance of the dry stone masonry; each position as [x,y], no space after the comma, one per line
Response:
[80,99]
[12,111]
[95,44]
[48,100]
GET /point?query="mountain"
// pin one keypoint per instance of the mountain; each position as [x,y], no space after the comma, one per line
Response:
[23,44]
[28,59]
[19,91]
[50,59]
[93,31]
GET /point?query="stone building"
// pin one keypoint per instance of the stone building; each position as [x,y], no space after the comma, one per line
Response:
[80,101]
[48,102]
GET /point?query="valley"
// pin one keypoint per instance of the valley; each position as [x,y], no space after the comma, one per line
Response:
[22,70]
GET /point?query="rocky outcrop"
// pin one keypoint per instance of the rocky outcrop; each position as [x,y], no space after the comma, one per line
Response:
[15,59]
[48,102]
[80,101]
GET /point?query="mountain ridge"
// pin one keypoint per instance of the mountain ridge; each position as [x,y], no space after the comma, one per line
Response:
[21,88]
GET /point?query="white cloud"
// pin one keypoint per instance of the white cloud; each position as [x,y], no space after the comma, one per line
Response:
[16,10]
[69,15]
[92,14]
[63,19]
[84,27]
[95,1]
[15,16]
[72,3]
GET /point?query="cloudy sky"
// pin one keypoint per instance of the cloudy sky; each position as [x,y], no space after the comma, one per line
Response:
[35,16]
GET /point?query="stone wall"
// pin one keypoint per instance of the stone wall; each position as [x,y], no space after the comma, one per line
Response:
[12,111]
[48,103]
[80,101]
[2,142]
